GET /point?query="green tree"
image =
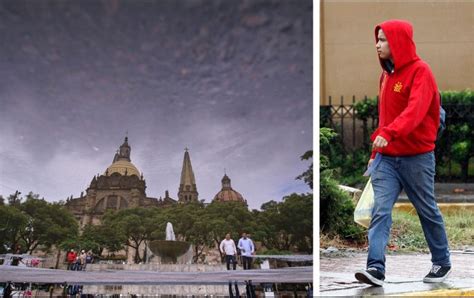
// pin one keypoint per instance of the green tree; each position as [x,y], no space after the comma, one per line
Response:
[307,176]
[227,217]
[14,199]
[48,223]
[190,224]
[12,222]
[287,225]
[135,224]
[97,238]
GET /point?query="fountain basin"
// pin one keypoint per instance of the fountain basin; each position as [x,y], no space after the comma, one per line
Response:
[169,251]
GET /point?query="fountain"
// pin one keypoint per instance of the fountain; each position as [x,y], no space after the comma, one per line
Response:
[169,232]
[169,250]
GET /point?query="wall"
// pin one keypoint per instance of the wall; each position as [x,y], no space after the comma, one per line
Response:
[443,33]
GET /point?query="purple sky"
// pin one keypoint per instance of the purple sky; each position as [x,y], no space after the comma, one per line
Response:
[230,80]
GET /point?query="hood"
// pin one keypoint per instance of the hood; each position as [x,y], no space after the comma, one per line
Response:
[399,35]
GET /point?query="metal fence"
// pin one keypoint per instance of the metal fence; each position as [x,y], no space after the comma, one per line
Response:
[355,133]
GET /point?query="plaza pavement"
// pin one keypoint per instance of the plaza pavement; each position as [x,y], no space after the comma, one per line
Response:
[404,275]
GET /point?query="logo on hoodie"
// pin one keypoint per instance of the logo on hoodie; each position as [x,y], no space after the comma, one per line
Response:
[398,87]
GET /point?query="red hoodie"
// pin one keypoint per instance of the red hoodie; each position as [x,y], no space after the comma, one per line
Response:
[408,97]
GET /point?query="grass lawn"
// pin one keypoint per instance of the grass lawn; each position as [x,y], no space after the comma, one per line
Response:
[407,234]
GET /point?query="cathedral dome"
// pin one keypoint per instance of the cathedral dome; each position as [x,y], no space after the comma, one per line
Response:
[227,194]
[122,163]
[122,167]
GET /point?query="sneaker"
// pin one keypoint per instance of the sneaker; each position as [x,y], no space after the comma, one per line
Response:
[437,274]
[371,276]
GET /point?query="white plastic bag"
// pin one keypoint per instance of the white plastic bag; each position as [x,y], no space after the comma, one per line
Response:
[363,210]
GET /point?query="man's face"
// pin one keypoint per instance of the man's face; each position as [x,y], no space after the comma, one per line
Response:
[382,46]
[244,235]
[227,236]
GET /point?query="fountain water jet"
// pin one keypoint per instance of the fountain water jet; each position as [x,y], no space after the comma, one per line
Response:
[169,250]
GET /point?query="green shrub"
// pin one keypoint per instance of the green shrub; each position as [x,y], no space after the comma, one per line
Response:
[366,108]
[336,206]
[456,143]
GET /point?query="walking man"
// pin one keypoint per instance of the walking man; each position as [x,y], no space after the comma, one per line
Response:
[228,248]
[246,250]
[409,116]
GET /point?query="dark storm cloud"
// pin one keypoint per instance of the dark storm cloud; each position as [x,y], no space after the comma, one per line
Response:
[231,80]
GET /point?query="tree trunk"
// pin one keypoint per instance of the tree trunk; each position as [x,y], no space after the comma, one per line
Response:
[57,258]
[198,252]
[219,249]
[33,248]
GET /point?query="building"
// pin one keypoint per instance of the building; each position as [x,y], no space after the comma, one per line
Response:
[121,186]
[187,186]
[227,193]
[443,33]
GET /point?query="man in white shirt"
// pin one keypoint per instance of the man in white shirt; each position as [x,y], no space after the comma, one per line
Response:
[228,248]
[247,248]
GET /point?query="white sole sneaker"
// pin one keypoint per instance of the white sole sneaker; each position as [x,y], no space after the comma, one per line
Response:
[366,278]
[436,279]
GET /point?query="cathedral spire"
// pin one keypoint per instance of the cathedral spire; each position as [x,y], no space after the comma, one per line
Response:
[124,151]
[187,186]
[226,182]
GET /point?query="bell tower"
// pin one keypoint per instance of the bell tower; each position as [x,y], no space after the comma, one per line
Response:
[187,186]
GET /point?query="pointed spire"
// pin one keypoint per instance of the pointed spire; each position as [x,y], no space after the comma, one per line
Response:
[123,153]
[125,150]
[187,186]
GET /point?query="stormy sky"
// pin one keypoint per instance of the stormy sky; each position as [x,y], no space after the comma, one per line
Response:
[230,80]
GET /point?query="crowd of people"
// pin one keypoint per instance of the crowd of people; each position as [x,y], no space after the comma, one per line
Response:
[78,262]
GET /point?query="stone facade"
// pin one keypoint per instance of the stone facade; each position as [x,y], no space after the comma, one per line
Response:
[120,187]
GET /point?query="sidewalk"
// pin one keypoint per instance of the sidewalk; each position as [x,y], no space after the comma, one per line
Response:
[404,275]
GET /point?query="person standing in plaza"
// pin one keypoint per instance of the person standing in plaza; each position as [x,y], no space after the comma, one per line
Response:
[247,249]
[89,258]
[71,258]
[82,259]
[403,145]
[227,248]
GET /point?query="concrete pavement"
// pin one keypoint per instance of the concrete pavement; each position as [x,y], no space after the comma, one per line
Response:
[404,276]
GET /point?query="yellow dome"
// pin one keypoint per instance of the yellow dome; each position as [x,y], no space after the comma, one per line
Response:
[122,166]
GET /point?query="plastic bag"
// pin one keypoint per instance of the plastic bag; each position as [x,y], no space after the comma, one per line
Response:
[363,210]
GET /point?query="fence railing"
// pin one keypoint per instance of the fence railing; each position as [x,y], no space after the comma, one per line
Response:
[355,131]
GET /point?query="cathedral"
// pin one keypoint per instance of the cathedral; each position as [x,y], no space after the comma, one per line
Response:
[122,186]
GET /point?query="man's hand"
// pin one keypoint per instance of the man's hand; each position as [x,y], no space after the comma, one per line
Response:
[370,161]
[379,142]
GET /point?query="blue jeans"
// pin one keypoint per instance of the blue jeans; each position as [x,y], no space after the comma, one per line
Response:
[415,174]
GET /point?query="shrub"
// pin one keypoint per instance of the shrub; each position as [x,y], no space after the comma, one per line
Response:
[336,207]
[456,142]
